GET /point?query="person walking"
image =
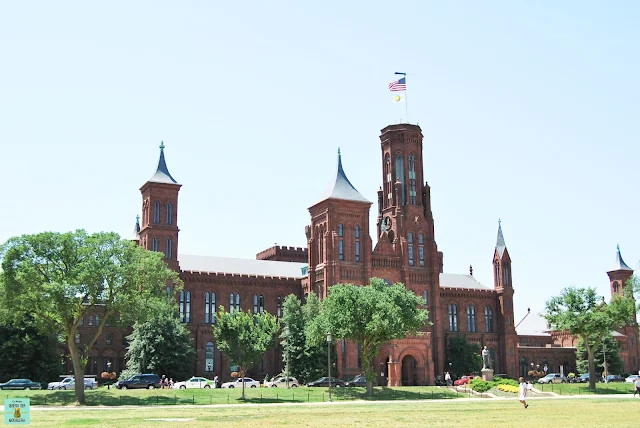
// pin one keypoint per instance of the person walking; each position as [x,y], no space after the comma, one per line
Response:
[637,385]
[447,378]
[523,392]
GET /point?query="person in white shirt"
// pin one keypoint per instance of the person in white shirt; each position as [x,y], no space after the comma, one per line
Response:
[637,385]
[447,378]
[523,393]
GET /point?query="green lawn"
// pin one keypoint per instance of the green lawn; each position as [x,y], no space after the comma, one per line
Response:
[583,388]
[583,412]
[115,397]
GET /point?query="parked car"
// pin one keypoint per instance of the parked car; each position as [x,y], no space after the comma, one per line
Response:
[20,384]
[324,381]
[463,380]
[70,383]
[139,381]
[613,378]
[194,382]
[281,382]
[553,378]
[632,378]
[248,383]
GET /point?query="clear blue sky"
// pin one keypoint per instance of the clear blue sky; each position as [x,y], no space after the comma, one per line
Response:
[529,112]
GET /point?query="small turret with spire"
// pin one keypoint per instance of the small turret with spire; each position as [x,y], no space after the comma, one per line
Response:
[135,237]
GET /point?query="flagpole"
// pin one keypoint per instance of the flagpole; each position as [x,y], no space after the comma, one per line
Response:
[406,105]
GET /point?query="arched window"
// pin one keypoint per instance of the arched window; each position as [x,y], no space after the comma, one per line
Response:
[616,286]
[505,273]
[410,242]
[234,302]
[169,210]
[389,179]
[155,244]
[156,212]
[357,248]
[209,351]
[279,307]
[400,175]
[168,251]
[421,248]
[453,317]
[213,307]
[181,306]
[207,307]
[497,273]
[168,291]
[187,311]
[413,198]
[488,319]
[471,318]
[258,304]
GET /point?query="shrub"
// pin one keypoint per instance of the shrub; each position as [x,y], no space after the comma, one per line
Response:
[234,374]
[479,385]
[508,388]
[511,382]
[571,376]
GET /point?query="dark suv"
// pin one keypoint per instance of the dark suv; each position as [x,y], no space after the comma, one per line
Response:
[139,381]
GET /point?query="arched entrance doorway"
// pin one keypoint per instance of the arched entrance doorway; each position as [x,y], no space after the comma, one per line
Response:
[409,371]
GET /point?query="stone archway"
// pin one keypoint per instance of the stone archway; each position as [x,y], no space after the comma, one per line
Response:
[409,371]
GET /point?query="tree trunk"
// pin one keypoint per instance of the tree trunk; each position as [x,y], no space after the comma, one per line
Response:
[592,366]
[242,372]
[78,371]
[369,371]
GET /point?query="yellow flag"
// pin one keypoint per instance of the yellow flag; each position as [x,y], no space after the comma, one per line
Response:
[398,98]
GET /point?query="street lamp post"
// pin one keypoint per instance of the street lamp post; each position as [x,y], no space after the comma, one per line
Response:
[287,331]
[329,340]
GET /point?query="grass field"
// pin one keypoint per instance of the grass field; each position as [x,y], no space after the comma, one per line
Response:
[600,411]
[142,397]
[583,388]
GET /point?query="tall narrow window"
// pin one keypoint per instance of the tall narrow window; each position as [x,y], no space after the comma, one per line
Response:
[400,175]
[168,291]
[279,307]
[77,338]
[207,307]
[488,319]
[413,198]
[357,251]
[410,242]
[91,320]
[497,274]
[471,318]
[425,296]
[453,317]
[156,212]
[234,302]
[357,232]
[213,307]
[187,311]
[389,179]
[169,210]
[341,249]
[181,306]
[155,244]
[340,230]
[209,351]
[261,304]
[505,274]
[255,303]
[421,248]
[168,251]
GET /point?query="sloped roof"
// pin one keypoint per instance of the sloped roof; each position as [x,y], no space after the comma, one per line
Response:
[135,236]
[162,174]
[341,187]
[500,245]
[619,263]
[455,280]
[240,266]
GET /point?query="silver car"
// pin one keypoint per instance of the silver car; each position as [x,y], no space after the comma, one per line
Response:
[553,378]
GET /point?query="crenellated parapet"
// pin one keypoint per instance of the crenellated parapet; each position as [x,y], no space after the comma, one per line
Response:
[282,253]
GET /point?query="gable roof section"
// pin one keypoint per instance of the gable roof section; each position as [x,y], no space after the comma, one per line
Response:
[454,280]
[240,266]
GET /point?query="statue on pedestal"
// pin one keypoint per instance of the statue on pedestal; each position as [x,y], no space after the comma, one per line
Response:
[486,359]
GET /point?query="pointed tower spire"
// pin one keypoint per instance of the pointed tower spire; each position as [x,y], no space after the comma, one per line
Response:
[500,245]
[136,230]
[162,174]
[341,187]
[620,264]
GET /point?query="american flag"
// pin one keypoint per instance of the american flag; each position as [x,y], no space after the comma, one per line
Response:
[398,85]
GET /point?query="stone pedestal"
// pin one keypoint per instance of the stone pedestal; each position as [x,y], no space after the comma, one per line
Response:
[487,375]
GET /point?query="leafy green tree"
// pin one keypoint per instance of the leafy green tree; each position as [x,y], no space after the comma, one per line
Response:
[612,350]
[62,277]
[25,352]
[464,357]
[581,312]
[371,315]
[306,360]
[244,337]
[161,344]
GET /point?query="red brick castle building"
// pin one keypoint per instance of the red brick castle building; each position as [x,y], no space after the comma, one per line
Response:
[339,249]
